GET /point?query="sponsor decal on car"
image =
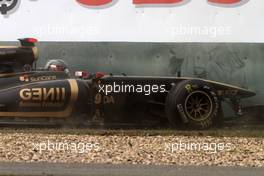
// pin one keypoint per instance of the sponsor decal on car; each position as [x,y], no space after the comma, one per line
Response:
[188,87]
[42,97]
[42,78]
[24,78]
[27,78]
[104,99]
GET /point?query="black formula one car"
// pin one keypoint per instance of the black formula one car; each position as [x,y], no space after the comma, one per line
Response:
[51,95]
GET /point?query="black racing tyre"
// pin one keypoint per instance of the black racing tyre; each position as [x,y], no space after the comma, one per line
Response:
[219,120]
[193,104]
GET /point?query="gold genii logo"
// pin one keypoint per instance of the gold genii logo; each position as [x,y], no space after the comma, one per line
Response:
[42,97]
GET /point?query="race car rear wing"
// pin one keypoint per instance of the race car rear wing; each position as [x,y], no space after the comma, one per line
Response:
[19,58]
[29,42]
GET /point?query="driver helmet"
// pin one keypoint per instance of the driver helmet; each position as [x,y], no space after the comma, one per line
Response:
[57,65]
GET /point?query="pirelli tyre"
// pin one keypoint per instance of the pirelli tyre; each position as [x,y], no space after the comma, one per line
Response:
[192,104]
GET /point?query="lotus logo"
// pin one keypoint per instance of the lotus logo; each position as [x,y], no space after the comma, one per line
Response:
[24,78]
[7,5]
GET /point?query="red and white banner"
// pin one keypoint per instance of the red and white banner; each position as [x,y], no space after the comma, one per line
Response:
[133,20]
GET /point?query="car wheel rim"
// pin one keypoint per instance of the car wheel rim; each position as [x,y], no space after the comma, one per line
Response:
[198,106]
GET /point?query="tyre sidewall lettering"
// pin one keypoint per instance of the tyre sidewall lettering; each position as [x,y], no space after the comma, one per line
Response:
[176,98]
[182,113]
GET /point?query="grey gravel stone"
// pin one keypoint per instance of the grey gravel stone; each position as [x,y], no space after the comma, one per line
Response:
[148,150]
